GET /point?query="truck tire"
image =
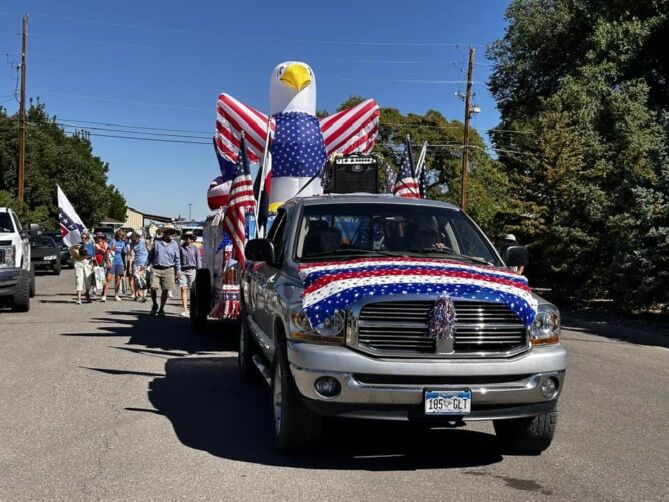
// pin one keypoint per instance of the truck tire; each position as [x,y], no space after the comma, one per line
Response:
[32,283]
[296,428]
[200,299]
[527,435]
[56,267]
[21,297]
[247,348]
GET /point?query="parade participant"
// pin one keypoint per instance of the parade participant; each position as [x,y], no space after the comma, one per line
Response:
[190,262]
[165,263]
[82,270]
[114,265]
[100,243]
[139,256]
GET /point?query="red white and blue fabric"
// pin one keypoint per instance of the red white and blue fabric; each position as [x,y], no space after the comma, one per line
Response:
[353,130]
[71,226]
[298,148]
[240,200]
[406,184]
[336,285]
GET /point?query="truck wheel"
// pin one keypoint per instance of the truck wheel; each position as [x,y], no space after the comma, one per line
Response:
[296,428]
[32,283]
[56,267]
[21,297]
[200,300]
[247,346]
[527,435]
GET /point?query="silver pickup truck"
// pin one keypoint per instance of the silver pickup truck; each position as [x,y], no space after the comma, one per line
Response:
[379,307]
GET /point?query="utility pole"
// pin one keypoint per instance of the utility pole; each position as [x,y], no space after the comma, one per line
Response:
[189,216]
[22,115]
[465,141]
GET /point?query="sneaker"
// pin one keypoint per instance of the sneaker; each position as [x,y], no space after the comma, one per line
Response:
[143,300]
[185,314]
[78,302]
[170,294]
[118,298]
[154,310]
[161,313]
[103,299]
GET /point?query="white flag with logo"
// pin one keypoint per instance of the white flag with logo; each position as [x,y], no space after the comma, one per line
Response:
[71,226]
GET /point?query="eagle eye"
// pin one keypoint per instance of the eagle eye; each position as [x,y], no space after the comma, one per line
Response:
[280,71]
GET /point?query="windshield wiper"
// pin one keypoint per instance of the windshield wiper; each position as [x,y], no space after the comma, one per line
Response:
[449,252]
[347,251]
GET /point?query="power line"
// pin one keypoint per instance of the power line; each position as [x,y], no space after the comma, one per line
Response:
[243,74]
[245,56]
[251,37]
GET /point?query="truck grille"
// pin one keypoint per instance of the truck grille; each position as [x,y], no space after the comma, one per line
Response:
[400,328]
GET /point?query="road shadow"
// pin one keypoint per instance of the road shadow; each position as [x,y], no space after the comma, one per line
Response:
[212,411]
[167,334]
[650,334]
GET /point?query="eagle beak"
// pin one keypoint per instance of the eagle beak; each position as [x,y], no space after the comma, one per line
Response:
[297,76]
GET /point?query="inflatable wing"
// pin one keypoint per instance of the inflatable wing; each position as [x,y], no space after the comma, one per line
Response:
[353,130]
[233,117]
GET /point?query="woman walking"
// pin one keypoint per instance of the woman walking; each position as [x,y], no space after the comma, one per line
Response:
[114,265]
[139,255]
[82,271]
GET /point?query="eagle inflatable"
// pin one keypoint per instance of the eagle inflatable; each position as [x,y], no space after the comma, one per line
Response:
[300,141]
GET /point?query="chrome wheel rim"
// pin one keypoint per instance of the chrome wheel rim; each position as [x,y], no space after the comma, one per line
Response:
[277,398]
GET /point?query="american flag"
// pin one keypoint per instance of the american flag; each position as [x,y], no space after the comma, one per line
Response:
[406,184]
[240,199]
[71,226]
[353,130]
[336,285]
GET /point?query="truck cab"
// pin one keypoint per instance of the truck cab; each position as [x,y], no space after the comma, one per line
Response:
[17,278]
[384,308]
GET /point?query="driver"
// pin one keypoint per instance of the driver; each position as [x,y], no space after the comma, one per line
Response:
[427,236]
[330,239]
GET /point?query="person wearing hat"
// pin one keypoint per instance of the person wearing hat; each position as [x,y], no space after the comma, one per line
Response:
[508,241]
[190,262]
[139,255]
[165,262]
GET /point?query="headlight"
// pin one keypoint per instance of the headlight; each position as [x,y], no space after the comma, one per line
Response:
[545,329]
[331,331]
[332,326]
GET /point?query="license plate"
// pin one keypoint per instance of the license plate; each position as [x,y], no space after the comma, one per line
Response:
[448,402]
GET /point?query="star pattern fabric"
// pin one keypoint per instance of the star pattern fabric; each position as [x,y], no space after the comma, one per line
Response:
[298,149]
[333,286]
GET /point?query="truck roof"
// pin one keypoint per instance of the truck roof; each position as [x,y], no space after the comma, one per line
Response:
[367,198]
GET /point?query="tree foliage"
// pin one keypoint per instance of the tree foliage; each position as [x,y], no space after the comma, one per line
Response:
[52,157]
[583,86]
[487,187]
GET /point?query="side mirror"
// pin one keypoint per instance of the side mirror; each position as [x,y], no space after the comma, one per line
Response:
[34,230]
[260,250]
[516,256]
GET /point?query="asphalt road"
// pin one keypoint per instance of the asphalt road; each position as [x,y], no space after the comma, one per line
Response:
[102,401]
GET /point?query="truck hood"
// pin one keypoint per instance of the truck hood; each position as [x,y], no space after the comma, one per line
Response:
[337,285]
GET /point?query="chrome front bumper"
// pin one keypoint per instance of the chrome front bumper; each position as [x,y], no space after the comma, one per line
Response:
[394,388]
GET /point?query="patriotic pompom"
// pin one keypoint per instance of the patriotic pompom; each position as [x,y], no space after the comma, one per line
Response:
[217,195]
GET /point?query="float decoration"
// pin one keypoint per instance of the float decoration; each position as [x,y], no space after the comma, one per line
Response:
[336,285]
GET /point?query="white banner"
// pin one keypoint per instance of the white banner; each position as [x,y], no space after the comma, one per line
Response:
[71,226]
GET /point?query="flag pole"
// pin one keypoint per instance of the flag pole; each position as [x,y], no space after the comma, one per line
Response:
[421,159]
[262,174]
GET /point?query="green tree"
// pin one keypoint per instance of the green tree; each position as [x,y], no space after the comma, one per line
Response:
[599,66]
[53,157]
[487,182]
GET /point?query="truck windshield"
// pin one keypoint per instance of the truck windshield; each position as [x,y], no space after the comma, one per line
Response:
[349,230]
[6,223]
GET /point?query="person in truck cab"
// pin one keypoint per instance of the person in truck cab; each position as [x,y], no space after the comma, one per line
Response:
[330,240]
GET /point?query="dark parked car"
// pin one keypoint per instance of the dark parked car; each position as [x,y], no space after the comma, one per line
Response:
[65,258]
[44,253]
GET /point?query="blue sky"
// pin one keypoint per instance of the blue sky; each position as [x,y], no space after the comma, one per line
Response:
[162,65]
